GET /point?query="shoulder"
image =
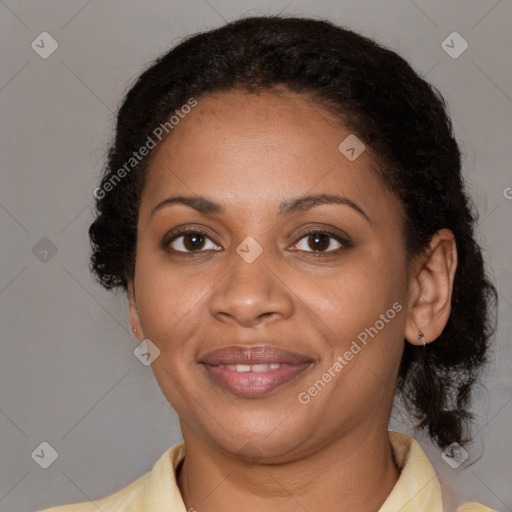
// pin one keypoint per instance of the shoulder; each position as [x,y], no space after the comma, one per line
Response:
[155,490]
[474,507]
[418,479]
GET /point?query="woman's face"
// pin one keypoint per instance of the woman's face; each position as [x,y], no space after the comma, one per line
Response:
[264,282]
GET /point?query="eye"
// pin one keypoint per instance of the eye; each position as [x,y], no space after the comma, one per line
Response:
[195,240]
[189,240]
[321,241]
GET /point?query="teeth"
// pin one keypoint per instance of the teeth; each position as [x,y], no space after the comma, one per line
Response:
[260,367]
[239,367]
[253,368]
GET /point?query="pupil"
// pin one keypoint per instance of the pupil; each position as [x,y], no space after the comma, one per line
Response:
[317,241]
[193,241]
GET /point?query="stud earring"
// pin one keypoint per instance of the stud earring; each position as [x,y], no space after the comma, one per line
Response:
[134,329]
[420,336]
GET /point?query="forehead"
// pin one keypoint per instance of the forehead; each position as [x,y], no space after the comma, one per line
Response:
[259,149]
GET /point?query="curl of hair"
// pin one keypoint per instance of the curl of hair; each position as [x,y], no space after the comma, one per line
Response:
[374,93]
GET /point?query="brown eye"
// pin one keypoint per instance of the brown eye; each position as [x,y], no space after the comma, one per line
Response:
[320,241]
[191,241]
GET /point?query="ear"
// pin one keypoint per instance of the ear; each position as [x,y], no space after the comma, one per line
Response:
[430,289]
[134,312]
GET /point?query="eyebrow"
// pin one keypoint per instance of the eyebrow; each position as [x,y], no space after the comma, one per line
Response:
[206,206]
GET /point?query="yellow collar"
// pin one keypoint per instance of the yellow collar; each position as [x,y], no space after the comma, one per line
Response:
[417,489]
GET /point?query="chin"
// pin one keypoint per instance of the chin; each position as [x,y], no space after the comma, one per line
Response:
[260,437]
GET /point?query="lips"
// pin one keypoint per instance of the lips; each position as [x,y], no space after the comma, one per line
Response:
[253,371]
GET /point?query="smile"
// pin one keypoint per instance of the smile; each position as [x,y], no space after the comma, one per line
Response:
[253,368]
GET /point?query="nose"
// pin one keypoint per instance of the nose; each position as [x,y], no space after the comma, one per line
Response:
[251,293]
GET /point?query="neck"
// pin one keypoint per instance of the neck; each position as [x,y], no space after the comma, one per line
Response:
[356,472]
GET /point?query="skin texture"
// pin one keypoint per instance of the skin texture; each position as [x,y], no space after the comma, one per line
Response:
[249,153]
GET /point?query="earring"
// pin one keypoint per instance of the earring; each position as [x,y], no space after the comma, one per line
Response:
[134,329]
[420,336]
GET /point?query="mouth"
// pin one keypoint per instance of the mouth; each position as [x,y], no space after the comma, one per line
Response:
[251,372]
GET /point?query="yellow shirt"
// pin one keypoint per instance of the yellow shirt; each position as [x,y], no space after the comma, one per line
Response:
[417,489]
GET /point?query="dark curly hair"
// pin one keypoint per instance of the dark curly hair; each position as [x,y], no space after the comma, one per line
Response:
[398,115]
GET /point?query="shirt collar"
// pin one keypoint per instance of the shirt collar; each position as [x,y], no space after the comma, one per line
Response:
[162,491]
[416,489]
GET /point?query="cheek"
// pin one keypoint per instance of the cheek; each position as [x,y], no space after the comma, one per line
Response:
[172,308]
[353,296]
[171,302]
[363,307]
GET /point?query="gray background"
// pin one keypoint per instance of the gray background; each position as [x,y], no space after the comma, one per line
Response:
[68,375]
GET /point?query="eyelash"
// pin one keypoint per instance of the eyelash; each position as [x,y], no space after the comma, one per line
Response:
[168,239]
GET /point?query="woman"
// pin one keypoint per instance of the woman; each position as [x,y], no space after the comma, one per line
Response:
[283,204]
